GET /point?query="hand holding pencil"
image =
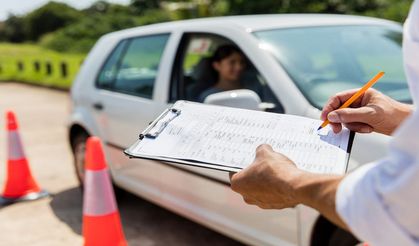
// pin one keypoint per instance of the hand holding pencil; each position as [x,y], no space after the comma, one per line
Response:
[371,111]
[355,96]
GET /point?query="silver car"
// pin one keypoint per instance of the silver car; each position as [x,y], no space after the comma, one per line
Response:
[294,64]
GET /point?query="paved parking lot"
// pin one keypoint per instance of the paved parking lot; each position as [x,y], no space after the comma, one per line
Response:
[57,220]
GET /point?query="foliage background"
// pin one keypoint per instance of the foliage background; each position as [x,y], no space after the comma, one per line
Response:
[57,33]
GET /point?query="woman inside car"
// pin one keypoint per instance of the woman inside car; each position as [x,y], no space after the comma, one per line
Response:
[229,63]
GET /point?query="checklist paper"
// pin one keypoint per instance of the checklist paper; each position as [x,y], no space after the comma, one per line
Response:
[226,138]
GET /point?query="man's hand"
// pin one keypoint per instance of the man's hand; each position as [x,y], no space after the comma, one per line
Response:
[268,181]
[273,181]
[373,111]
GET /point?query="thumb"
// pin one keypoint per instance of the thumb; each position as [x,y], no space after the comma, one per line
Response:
[263,150]
[349,115]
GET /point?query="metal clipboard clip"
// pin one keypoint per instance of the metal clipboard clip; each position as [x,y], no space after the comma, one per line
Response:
[158,125]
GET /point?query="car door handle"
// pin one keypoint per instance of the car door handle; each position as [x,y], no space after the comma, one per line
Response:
[98,106]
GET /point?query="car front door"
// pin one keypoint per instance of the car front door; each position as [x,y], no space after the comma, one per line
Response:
[189,70]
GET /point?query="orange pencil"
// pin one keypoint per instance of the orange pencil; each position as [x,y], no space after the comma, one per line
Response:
[355,96]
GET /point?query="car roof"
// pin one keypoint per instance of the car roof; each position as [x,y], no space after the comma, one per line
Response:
[263,22]
[252,23]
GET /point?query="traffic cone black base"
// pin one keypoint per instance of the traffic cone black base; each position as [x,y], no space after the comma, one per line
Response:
[4,201]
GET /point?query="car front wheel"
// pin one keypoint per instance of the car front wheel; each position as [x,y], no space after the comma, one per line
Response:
[79,151]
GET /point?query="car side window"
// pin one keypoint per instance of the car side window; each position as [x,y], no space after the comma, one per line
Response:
[109,70]
[132,67]
[138,68]
[193,72]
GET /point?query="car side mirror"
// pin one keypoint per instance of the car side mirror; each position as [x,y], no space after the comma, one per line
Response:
[242,98]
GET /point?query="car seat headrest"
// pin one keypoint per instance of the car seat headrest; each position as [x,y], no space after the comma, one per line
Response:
[203,71]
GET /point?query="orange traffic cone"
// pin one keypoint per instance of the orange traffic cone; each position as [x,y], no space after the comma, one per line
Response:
[101,221]
[20,185]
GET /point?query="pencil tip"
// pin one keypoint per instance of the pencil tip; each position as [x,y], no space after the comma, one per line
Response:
[320,127]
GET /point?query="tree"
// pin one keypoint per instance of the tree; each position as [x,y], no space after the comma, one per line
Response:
[140,6]
[242,7]
[12,30]
[49,18]
[81,36]
[389,9]
[102,7]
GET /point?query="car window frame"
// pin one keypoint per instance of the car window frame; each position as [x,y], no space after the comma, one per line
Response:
[177,66]
[128,41]
[176,72]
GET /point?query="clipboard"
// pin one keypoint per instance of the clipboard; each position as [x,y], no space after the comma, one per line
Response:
[164,120]
[147,133]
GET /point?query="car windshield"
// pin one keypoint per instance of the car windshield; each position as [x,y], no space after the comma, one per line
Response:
[326,60]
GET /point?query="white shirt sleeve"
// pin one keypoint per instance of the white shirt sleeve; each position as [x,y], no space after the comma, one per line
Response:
[380,201]
[411,50]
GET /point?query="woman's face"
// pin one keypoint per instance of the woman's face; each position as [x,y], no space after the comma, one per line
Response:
[231,67]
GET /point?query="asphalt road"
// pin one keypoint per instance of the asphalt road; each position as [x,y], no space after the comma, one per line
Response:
[42,114]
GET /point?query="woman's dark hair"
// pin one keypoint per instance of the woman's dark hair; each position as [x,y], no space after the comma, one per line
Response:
[224,51]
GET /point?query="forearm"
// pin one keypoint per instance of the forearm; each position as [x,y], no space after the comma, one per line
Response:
[319,192]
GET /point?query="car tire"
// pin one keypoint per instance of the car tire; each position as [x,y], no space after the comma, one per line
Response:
[326,233]
[78,145]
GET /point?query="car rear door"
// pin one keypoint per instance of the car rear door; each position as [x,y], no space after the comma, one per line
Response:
[126,84]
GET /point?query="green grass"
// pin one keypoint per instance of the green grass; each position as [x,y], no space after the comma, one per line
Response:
[27,55]
[11,55]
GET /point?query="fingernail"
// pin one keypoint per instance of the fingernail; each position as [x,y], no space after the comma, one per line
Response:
[365,130]
[333,117]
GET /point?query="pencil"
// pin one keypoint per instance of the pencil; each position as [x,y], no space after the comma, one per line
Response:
[355,96]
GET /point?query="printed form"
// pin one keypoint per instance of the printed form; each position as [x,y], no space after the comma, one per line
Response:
[228,137]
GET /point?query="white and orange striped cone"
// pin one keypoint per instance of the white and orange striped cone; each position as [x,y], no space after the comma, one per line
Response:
[20,184]
[101,220]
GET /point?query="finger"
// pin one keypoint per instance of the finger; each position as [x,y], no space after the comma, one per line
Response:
[231,174]
[235,183]
[264,206]
[262,150]
[359,127]
[249,200]
[264,147]
[336,127]
[238,181]
[337,100]
[351,115]
[332,104]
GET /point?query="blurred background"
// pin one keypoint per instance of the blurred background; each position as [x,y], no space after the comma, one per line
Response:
[45,42]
